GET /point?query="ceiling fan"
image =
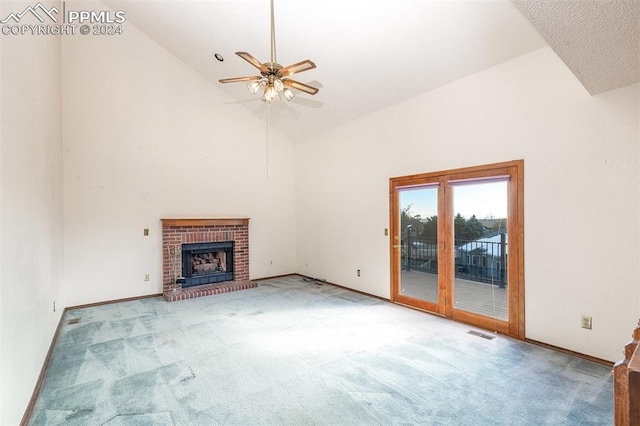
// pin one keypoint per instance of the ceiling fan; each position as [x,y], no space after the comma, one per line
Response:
[273,76]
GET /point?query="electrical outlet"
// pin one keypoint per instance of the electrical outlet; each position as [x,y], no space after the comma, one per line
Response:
[54,306]
[358,272]
[586,322]
[145,232]
[271,262]
[147,277]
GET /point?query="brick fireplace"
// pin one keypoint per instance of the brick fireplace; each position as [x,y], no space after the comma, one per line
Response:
[180,233]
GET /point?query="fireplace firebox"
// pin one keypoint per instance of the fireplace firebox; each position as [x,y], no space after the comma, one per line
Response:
[206,263]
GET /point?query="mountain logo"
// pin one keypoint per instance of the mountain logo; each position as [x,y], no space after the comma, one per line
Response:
[38,11]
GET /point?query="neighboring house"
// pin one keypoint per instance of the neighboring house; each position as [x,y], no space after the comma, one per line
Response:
[483,259]
[423,255]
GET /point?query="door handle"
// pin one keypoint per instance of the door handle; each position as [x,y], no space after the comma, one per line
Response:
[398,246]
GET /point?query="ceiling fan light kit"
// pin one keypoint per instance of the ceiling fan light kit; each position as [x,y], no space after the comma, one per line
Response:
[273,76]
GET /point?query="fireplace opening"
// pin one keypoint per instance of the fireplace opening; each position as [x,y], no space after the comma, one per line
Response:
[207,263]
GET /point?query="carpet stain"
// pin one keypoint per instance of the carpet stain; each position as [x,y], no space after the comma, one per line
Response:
[176,373]
[78,398]
[78,413]
[156,419]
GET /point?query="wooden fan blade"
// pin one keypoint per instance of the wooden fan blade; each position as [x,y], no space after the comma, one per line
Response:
[253,61]
[300,86]
[235,79]
[298,67]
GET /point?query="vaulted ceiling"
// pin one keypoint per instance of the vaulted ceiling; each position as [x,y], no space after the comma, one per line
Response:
[371,54]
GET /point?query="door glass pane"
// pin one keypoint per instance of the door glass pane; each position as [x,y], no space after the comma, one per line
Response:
[480,248]
[419,251]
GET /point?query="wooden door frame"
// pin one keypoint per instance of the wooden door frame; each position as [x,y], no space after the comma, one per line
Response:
[515,326]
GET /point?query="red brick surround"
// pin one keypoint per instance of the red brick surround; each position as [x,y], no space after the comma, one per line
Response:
[176,232]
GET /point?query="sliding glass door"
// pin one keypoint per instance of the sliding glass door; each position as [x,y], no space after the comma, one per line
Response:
[419,243]
[457,245]
[480,247]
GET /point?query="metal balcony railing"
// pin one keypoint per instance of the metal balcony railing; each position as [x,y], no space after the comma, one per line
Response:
[478,260]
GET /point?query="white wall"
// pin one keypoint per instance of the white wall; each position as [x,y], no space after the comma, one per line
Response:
[145,138]
[581,190]
[30,211]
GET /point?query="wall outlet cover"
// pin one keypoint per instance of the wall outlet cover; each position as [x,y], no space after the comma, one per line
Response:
[586,322]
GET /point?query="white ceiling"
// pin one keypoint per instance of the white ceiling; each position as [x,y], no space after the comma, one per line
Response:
[369,53]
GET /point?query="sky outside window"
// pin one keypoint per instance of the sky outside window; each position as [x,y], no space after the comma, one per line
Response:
[485,200]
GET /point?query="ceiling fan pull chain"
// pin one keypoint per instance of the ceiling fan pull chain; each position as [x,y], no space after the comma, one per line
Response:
[267,147]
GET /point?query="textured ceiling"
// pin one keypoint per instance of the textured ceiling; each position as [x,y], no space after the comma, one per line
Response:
[599,40]
[369,53]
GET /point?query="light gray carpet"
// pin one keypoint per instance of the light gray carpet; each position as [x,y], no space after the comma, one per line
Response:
[299,353]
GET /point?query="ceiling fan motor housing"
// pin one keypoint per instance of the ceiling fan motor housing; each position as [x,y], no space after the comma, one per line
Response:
[274,69]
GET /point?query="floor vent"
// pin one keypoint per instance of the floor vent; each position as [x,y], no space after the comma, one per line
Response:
[482,335]
[74,321]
